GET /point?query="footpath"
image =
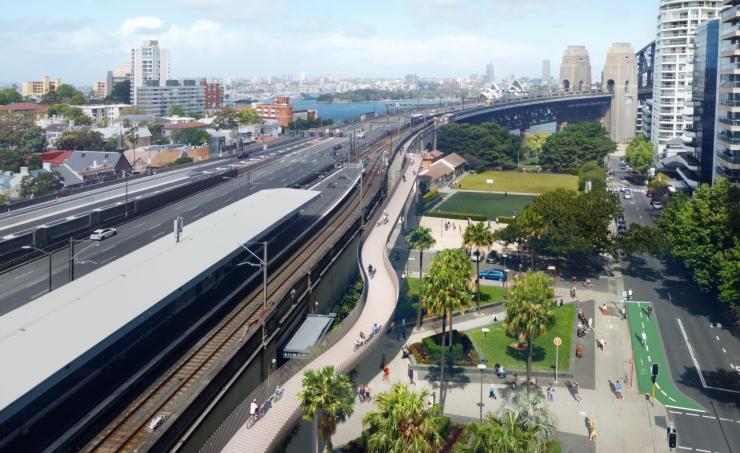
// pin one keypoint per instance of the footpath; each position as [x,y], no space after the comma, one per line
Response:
[629,424]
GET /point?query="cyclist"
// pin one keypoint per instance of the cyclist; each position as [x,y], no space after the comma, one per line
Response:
[254,408]
[277,393]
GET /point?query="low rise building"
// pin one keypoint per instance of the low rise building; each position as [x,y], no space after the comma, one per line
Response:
[10,183]
[104,112]
[213,95]
[279,110]
[39,88]
[442,171]
[28,108]
[83,167]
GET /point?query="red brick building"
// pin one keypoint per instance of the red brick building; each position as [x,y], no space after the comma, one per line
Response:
[214,95]
[280,110]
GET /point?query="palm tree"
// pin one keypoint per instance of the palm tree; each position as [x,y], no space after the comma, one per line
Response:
[531,411]
[530,310]
[327,399]
[420,239]
[445,289]
[659,183]
[499,435]
[478,235]
[403,423]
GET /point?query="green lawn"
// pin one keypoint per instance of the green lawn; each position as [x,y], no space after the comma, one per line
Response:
[408,301]
[512,181]
[497,345]
[491,205]
[644,357]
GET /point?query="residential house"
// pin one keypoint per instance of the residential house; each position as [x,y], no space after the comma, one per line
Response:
[29,108]
[443,171]
[10,183]
[83,167]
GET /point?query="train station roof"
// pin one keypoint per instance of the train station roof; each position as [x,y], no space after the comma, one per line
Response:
[303,341]
[45,340]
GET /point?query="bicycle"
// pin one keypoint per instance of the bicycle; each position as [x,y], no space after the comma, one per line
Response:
[254,418]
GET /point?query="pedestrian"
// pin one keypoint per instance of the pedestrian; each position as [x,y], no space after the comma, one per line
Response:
[649,311]
[411,374]
[629,294]
[577,392]
[492,391]
[618,390]
[386,373]
[592,435]
[361,393]
[430,400]
[550,392]
[514,380]
[643,339]
[403,327]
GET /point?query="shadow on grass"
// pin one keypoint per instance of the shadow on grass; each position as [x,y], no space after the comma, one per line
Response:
[538,354]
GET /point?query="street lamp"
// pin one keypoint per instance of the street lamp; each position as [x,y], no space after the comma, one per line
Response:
[485,331]
[73,258]
[271,371]
[261,263]
[482,367]
[49,254]
[316,307]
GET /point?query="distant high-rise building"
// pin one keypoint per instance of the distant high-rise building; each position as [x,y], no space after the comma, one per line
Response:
[213,95]
[727,143]
[489,72]
[546,72]
[156,99]
[674,53]
[412,80]
[149,62]
[39,87]
[575,70]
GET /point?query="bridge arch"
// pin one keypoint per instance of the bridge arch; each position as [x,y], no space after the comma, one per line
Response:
[566,85]
[610,86]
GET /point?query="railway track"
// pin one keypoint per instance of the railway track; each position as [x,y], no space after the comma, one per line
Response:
[129,430]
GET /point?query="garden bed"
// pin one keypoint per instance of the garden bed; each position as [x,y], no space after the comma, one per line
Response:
[462,352]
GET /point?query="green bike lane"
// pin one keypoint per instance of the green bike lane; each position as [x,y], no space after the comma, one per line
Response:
[653,352]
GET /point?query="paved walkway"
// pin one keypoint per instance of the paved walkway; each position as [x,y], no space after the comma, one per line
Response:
[451,237]
[630,424]
[380,306]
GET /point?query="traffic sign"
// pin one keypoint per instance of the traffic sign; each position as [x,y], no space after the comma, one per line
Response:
[557,341]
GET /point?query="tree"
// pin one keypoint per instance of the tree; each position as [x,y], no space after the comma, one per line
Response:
[531,412]
[403,423]
[80,139]
[70,113]
[250,116]
[190,136]
[34,162]
[640,154]
[44,184]
[420,239]
[445,289]
[530,310]
[660,183]
[12,125]
[478,236]
[176,110]
[226,119]
[499,435]
[484,145]
[575,145]
[327,398]
[567,224]
[728,276]
[181,161]
[534,142]
[302,125]
[33,140]
[592,171]
[702,228]
[11,160]
[121,93]
[10,96]
[65,93]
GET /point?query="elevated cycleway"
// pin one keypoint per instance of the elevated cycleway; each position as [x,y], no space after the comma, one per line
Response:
[379,306]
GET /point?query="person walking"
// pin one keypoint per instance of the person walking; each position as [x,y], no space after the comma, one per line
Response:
[592,428]
[514,380]
[618,390]
[367,392]
[361,393]
[577,392]
[411,374]
[386,373]
[643,339]
[492,391]
[649,311]
[550,392]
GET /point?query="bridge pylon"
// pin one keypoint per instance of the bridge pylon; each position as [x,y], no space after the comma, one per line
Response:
[620,79]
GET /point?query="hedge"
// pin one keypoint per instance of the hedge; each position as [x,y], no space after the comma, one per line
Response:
[505,220]
[457,216]
[429,195]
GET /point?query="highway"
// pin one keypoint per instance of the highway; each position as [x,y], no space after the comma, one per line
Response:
[292,163]
[686,316]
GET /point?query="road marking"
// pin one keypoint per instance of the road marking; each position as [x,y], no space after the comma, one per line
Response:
[159,234]
[228,199]
[685,448]
[691,353]
[691,415]
[676,412]
[152,227]
[139,225]
[708,416]
[703,451]
[671,398]
[724,350]
[23,275]
[34,283]
[38,294]
[110,258]
[195,216]
[717,337]
[649,359]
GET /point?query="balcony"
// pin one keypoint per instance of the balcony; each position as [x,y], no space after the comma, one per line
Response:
[732,143]
[731,175]
[730,124]
[729,161]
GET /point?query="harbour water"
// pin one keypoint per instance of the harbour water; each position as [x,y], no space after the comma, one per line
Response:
[350,110]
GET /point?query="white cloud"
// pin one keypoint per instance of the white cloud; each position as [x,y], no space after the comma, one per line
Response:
[235,10]
[141,24]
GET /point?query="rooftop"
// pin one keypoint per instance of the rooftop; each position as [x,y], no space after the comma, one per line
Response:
[63,329]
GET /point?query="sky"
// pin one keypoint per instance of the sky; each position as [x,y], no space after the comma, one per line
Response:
[79,40]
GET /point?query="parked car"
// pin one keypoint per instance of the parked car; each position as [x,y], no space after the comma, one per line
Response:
[656,204]
[242,156]
[627,194]
[102,233]
[650,193]
[475,255]
[493,274]
[620,220]
[337,147]
[156,422]
[491,257]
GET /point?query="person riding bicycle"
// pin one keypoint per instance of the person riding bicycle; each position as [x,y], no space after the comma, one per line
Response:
[277,393]
[254,408]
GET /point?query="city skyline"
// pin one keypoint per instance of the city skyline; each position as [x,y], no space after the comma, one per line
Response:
[226,38]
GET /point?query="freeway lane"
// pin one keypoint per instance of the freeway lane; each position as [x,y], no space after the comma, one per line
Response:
[676,297]
[25,218]
[31,280]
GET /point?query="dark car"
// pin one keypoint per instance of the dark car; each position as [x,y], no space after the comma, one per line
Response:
[243,156]
[491,257]
[336,147]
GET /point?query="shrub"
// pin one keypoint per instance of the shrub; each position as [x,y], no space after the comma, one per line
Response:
[457,216]
[462,351]
[429,195]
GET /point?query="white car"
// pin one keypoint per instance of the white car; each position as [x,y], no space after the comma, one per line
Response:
[102,233]
[627,194]
[656,204]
